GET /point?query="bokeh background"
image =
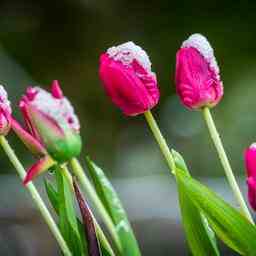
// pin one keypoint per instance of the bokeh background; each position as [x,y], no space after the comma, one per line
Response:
[44,40]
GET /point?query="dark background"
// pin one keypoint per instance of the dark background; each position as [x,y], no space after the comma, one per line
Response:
[45,40]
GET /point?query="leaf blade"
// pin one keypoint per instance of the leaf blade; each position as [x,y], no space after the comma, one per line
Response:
[228,223]
[115,209]
[67,216]
[200,238]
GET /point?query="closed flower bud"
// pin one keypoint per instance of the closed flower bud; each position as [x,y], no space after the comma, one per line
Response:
[125,72]
[52,121]
[198,82]
[52,128]
[250,163]
[5,112]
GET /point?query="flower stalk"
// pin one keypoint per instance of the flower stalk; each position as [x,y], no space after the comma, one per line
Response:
[90,191]
[160,140]
[225,162]
[36,197]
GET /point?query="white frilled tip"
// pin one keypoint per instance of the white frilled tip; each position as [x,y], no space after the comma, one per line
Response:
[200,43]
[128,52]
[253,145]
[60,110]
[4,99]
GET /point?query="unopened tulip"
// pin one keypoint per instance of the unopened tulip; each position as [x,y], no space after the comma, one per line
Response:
[5,112]
[126,74]
[198,82]
[52,128]
[250,163]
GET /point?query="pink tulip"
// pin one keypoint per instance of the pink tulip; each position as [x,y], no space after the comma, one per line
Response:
[5,112]
[125,72]
[250,163]
[53,129]
[197,78]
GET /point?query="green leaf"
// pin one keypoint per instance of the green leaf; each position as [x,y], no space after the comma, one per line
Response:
[104,251]
[52,195]
[227,222]
[115,209]
[67,216]
[200,237]
[179,162]
[82,235]
[54,198]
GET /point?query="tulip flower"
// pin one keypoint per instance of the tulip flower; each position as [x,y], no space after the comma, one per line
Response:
[250,163]
[197,78]
[5,112]
[52,128]
[125,72]
[199,87]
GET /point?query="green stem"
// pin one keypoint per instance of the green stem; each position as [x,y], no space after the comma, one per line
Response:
[225,162]
[36,197]
[160,140]
[99,231]
[90,191]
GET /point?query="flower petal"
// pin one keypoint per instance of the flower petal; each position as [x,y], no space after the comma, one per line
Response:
[31,143]
[41,166]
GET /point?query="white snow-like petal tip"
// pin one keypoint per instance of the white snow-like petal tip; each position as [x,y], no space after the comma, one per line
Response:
[4,102]
[253,145]
[129,51]
[60,110]
[200,43]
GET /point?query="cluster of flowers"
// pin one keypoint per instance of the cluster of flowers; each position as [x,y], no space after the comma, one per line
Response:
[52,128]
[129,81]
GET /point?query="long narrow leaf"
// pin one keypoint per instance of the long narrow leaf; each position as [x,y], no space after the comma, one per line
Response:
[67,216]
[54,197]
[228,223]
[200,237]
[115,209]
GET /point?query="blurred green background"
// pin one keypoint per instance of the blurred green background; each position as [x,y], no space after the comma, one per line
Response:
[44,40]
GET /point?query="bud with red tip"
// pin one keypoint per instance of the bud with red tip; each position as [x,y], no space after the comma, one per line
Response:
[250,163]
[5,112]
[125,72]
[52,128]
[198,82]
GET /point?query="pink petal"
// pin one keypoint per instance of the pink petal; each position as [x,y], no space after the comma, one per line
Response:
[251,183]
[250,160]
[131,88]
[196,83]
[31,143]
[41,166]
[56,90]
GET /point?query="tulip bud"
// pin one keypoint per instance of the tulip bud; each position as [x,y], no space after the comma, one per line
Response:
[5,112]
[250,163]
[51,120]
[125,72]
[52,128]
[197,76]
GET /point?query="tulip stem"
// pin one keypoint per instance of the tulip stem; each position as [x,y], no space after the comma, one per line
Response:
[35,196]
[160,140]
[225,162]
[90,191]
[99,231]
